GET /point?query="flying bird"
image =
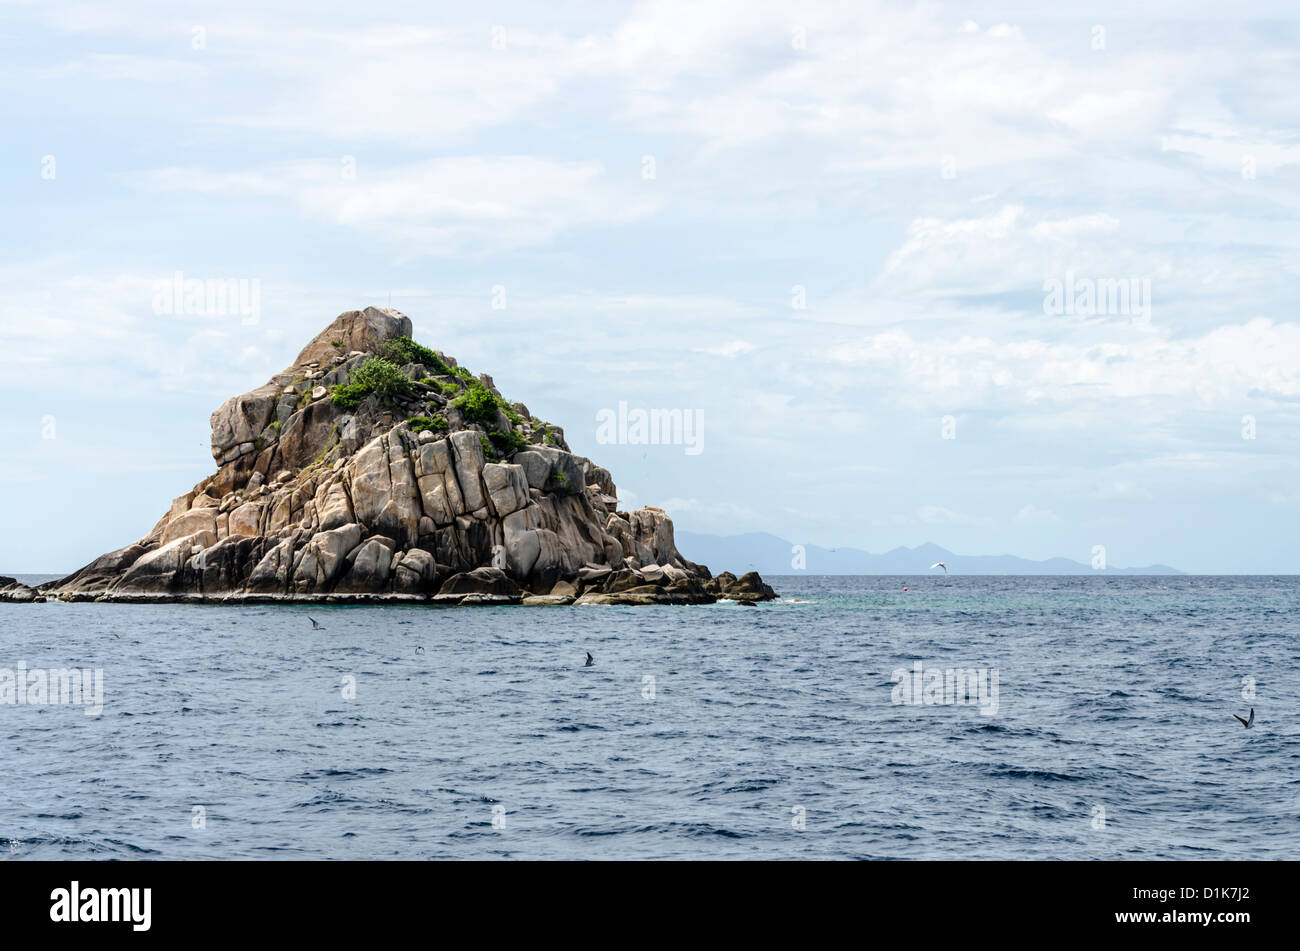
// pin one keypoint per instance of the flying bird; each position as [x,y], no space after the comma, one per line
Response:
[590,660]
[940,564]
[314,625]
[1244,722]
[419,649]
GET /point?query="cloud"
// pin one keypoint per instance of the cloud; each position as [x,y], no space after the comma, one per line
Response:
[1216,369]
[1246,152]
[873,85]
[440,207]
[1012,249]
[99,336]
[113,66]
[732,348]
[938,515]
[410,83]
[1033,514]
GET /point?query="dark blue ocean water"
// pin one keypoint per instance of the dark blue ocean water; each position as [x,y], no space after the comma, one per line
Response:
[1115,694]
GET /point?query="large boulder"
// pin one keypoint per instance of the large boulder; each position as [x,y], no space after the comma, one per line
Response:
[507,487]
[321,560]
[308,433]
[159,572]
[485,580]
[552,470]
[195,521]
[364,331]
[435,473]
[371,565]
[748,587]
[240,420]
[467,446]
[384,492]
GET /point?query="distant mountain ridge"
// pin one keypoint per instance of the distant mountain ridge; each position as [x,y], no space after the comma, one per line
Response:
[768,554]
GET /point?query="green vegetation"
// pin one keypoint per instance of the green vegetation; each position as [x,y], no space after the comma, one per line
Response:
[376,375]
[447,389]
[507,442]
[337,343]
[465,375]
[435,424]
[480,404]
[477,403]
[488,449]
[404,350]
[558,477]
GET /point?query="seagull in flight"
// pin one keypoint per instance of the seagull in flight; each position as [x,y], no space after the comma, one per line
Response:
[590,660]
[940,564]
[314,625]
[1244,722]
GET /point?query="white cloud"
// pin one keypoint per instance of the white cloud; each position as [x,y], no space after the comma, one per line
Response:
[1218,368]
[110,66]
[938,515]
[447,206]
[1038,516]
[1012,249]
[732,348]
[1239,150]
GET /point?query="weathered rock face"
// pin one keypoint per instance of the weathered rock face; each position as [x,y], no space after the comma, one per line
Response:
[12,590]
[433,488]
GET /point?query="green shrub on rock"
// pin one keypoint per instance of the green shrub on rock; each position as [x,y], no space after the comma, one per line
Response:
[507,442]
[447,389]
[478,404]
[404,350]
[420,424]
[376,375]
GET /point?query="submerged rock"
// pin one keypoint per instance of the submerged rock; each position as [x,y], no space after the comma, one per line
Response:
[374,469]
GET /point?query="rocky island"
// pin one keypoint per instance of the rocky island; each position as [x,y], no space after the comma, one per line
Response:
[375,469]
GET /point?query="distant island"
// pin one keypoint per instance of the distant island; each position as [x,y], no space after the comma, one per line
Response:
[770,555]
[377,469]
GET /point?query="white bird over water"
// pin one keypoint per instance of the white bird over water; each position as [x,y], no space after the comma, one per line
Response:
[940,564]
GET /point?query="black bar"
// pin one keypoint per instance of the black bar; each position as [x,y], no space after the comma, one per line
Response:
[943,900]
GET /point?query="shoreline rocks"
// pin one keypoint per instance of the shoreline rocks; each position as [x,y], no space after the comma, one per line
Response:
[13,591]
[375,470]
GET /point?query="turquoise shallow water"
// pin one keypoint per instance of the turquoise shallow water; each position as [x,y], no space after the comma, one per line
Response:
[766,732]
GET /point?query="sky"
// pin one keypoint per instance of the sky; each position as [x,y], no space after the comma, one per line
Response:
[1002,279]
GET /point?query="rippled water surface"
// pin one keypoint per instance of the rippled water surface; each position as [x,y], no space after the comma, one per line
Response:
[1113,735]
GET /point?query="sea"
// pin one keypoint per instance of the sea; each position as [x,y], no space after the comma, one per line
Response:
[989,717]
